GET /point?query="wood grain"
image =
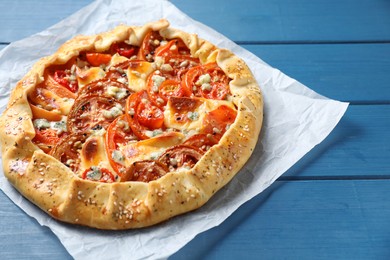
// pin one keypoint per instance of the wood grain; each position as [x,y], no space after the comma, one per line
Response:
[303,220]
[357,73]
[357,148]
[274,21]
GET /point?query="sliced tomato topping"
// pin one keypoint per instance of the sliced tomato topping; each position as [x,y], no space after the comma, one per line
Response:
[180,156]
[160,89]
[43,97]
[201,141]
[123,49]
[217,121]
[96,59]
[106,88]
[92,112]
[182,107]
[118,133]
[177,58]
[67,150]
[145,171]
[63,77]
[143,115]
[98,174]
[150,115]
[43,113]
[207,81]
[173,47]
[149,44]
[46,138]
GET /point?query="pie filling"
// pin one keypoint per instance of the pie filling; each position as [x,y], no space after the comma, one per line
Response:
[132,113]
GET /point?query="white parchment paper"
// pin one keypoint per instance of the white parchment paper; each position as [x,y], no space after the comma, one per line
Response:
[296,119]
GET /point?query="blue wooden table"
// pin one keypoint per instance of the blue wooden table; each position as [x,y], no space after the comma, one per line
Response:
[335,202]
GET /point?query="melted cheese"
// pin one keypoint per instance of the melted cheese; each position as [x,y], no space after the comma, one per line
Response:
[189,120]
[116,59]
[137,75]
[150,148]
[93,153]
[84,77]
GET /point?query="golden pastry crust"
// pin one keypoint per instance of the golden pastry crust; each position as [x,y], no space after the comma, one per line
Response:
[123,205]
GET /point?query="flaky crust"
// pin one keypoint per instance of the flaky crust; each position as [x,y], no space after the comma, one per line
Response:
[123,205]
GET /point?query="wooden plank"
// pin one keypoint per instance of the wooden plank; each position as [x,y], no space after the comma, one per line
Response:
[275,21]
[350,72]
[306,219]
[20,19]
[358,146]
[294,21]
[23,238]
[303,220]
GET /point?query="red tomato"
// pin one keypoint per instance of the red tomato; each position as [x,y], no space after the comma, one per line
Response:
[118,133]
[145,171]
[100,88]
[150,115]
[98,174]
[143,115]
[42,113]
[90,112]
[201,141]
[173,47]
[180,156]
[67,150]
[149,44]
[96,59]
[46,138]
[178,56]
[216,121]
[181,106]
[44,98]
[159,94]
[215,87]
[62,78]
[123,49]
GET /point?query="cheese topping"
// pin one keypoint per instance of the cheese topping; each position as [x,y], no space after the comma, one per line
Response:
[150,148]
[59,126]
[84,77]
[137,74]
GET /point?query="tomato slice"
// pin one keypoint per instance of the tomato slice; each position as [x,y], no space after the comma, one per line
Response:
[67,150]
[123,49]
[208,81]
[96,59]
[43,113]
[182,106]
[44,98]
[46,139]
[173,47]
[98,174]
[145,171]
[106,88]
[201,141]
[118,133]
[161,89]
[150,115]
[177,58]
[217,121]
[180,156]
[149,44]
[142,115]
[92,113]
[62,77]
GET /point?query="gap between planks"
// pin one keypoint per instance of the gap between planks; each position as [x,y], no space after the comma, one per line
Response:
[334,178]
